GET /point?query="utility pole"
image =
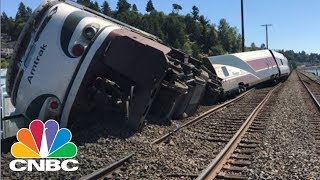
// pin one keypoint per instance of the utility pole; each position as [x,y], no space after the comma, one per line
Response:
[267,41]
[242,26]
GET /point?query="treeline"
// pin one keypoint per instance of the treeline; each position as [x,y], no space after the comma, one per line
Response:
[13,26]
[302,57]
[193,32]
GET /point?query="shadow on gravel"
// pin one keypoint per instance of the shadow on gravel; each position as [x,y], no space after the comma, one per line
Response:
[90,127]
[7,143]
[266,84]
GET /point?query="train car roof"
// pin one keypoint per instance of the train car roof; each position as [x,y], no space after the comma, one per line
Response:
[239,59]
[244,56]
[278,55]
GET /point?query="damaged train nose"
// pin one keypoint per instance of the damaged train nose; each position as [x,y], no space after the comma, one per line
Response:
[88,63]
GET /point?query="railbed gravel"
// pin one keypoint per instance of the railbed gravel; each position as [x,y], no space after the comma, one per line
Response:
[288,149]
[187,152]
[99,146]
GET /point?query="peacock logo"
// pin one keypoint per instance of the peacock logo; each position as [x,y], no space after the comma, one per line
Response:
[44,140]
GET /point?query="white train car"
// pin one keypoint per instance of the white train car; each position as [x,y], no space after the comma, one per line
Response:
[68,56]
[71,61]
[242,70]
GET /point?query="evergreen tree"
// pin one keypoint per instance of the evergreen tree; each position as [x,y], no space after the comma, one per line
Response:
[29,11]
[22,11]
[263,46]
[94,6]
[203,20]
[86,3]
[253,47]
[134,8]
[4,23]
[123,6]
[195,12]
[176,8]
[105,8]
[22,16]
[150,6]
[224,35]
[174,28]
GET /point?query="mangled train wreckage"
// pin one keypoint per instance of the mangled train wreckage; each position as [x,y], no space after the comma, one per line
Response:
[70,60]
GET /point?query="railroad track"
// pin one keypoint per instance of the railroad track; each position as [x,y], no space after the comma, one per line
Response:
[233,158]
[186,150]
[104,149]
[312,87]
[111,168]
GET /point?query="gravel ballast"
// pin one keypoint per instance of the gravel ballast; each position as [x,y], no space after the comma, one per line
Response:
[289,149]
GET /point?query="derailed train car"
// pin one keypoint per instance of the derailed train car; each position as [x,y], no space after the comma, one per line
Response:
[240,71]
[70,60]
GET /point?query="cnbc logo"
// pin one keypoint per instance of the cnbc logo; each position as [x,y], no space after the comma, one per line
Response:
[46,143]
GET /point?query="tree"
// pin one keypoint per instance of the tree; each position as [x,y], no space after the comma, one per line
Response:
[209,38]
[105,8]
[217,50]
[22,16]
[263,46]
[134,8]
[174,28]
[150,7]
[195,12]
[123,6]
[4,23]
[193,28]
[154,23]
[176,8]
[86,3]
[203,20]
[90,4]
[22,12]
[94,6]
[29,11]
[224,35]
[253,47]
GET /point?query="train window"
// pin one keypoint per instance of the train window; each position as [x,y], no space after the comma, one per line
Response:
[225,71]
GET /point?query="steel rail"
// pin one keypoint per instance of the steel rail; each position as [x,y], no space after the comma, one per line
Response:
[313,97]
[111,167]
[200,117]
[317,82]
[106,170]
[217,164]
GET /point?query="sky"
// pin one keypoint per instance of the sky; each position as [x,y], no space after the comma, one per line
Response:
[295,23]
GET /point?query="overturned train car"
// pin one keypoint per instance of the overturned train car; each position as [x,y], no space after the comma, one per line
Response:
[70,61]
[240,71]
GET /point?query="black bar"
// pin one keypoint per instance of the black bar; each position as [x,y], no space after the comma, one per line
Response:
[12,117]
[242,26]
